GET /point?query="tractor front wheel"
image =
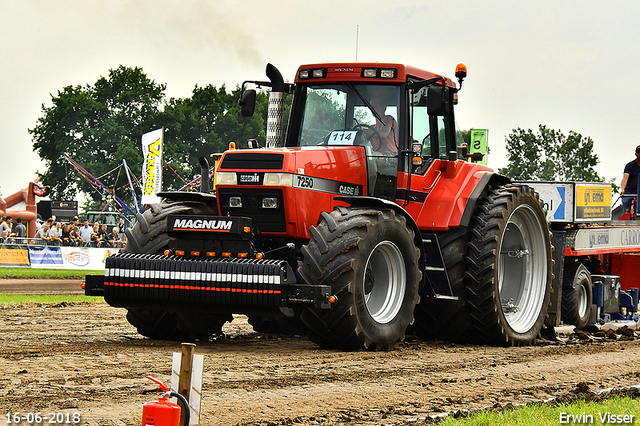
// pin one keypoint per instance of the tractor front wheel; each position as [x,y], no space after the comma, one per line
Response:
[149,235]
[370,260]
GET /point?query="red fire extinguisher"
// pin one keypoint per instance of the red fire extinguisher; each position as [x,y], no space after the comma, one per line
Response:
[164,412]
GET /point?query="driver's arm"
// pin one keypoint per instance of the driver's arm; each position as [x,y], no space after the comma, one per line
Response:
[383,130]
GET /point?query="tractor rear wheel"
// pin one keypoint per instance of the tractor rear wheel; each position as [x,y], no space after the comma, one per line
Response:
[576,302]
[509,267]
[370,260]
[149,235]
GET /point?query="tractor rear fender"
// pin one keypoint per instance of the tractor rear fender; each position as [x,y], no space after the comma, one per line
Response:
[486,181]
[373,202]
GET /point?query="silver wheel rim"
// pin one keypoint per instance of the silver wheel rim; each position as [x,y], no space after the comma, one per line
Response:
[384,282]
[522,269]
[582,301]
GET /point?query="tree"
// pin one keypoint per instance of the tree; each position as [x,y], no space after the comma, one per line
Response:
[550,155]
[97,126]
[204,124]
[100,125]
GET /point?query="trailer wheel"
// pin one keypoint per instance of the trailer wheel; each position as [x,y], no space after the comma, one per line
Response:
[509,267]
[447,319]
[577,301]
[149,235]
[371,262]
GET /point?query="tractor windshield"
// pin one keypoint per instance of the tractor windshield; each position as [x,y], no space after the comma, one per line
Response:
[349,114]
[356,114]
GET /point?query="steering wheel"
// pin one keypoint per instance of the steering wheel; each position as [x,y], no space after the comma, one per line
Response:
[375,135]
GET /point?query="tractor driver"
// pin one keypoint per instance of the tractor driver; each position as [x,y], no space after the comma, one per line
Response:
[383,134]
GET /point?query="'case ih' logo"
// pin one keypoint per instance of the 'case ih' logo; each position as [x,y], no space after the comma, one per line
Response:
[213,224]
[249,178]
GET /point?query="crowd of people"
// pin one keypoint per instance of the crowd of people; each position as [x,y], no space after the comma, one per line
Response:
[56,233]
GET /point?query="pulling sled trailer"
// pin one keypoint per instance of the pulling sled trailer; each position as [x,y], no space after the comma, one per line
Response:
[600,258]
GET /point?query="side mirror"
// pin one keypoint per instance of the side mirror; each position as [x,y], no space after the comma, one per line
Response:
[438,100]
[247,103]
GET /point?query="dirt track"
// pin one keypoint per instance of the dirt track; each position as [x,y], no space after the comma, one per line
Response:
[88,359]
[41,286]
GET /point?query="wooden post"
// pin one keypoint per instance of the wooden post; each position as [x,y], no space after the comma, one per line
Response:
[184,384]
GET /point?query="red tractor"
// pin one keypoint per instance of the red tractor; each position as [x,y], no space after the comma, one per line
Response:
[364,219]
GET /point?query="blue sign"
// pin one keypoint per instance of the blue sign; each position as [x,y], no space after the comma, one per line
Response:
[45,256]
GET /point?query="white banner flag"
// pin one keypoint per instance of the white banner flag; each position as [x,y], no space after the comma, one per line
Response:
[152,166]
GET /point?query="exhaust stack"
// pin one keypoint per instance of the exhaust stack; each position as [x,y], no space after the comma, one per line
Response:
[205,188]
[275,113]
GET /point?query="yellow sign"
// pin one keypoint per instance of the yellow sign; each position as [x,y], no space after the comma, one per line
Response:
[14,257]
[152,166]
[150,169]
[593,201]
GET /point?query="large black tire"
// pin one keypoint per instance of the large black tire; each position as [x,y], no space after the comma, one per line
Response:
[447,319]
[370,259]
[149,235]
[577,301]
[290,326]
[178,326]
[509,267]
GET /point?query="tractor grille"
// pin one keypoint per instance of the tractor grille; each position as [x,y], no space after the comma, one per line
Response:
[166,282]
[266,220]
[249,161]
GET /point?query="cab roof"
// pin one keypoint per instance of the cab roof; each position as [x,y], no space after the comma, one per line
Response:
[355,71]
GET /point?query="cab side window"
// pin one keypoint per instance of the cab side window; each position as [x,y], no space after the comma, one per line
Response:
[426,130]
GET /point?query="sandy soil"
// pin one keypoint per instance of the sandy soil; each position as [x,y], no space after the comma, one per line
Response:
[88,359]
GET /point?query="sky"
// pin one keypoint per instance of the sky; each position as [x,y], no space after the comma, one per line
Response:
[569,65]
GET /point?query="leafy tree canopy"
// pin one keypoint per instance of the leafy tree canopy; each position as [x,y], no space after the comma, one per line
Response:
[100,125]
[97,126]
[550,155]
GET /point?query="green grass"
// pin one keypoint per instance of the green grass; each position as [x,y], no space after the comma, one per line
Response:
[27,273]
[46,299]
[550,414]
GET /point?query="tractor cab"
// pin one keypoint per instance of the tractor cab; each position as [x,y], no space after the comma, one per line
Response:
[348,114]
[401,116]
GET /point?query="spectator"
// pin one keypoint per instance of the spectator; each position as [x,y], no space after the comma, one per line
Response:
[629,185]
[121,228]
[19,232]
[5,237]
[3,226]
[7,225]
[66,235]
[114,238]
[42,236]
[95,236]
[74,235]
[103,233]
[85,232]
[55,234]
